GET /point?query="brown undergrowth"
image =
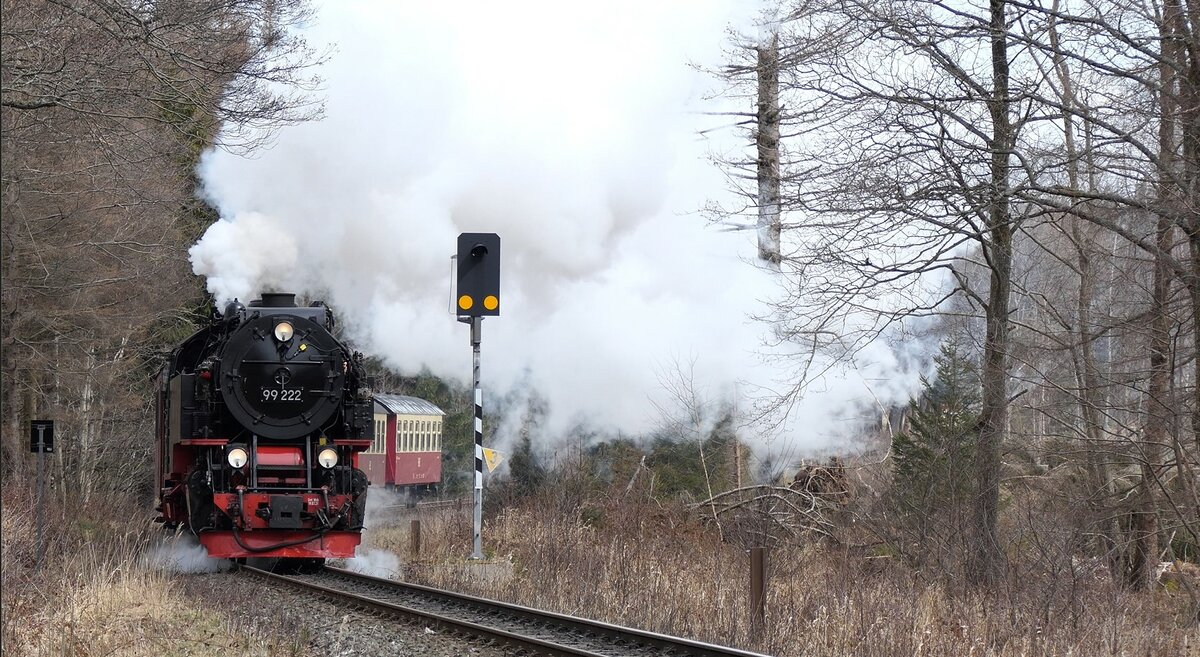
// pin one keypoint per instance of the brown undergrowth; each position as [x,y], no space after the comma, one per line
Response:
[95,595]
[657,568]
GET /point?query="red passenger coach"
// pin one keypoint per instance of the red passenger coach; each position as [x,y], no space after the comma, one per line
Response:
[406,454]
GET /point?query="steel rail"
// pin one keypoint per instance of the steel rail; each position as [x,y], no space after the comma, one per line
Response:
[614,635]
[430,504]
[455,624]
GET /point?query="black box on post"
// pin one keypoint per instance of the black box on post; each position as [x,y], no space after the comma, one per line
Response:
[478,275]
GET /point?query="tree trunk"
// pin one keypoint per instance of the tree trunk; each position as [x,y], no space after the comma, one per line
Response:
[1143,526]
[1179,64]
[767,139]
[987,558]
[1143,529]
[1087,372]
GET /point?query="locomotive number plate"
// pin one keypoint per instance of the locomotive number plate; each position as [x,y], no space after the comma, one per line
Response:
[282,394]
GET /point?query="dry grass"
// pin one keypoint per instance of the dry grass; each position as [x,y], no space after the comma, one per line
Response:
[656,568]
[93,596]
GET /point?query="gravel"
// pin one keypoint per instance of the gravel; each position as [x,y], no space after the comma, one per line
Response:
[305,624]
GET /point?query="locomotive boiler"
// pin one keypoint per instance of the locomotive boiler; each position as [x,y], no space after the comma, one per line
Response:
[261,418]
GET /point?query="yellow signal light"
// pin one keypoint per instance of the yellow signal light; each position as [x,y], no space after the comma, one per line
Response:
[465,302]
[490,302]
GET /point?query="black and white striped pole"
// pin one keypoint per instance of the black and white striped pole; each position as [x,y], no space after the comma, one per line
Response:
[478,296]
[477,516]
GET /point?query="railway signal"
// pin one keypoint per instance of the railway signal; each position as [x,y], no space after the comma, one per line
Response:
[477,296]
[478,275]
[41,436]
[41,440]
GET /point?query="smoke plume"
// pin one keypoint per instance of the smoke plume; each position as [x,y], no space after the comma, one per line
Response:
[571,130]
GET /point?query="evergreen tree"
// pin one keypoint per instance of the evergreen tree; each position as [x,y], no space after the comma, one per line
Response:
[933,457]
[525,468]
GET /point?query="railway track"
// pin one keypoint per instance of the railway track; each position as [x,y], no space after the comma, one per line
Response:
[523,628]
[431,504]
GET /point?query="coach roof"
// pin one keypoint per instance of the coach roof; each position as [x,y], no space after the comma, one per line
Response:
[405,405]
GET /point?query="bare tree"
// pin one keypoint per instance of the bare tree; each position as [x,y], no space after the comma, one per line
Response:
[898,176]
[1031,168]
[105,107]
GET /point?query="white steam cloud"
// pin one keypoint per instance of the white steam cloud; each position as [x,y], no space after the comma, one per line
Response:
[381,512]
[376,563]
[381,507]
[571,130]
[183,554]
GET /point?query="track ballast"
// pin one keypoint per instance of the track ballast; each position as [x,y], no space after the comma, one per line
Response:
[533,630]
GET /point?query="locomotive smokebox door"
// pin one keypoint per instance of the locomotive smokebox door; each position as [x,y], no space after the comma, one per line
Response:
[478,275]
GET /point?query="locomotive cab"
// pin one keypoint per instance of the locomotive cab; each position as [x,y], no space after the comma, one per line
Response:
[262,415]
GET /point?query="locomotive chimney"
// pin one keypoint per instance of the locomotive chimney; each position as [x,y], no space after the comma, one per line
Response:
[278,300]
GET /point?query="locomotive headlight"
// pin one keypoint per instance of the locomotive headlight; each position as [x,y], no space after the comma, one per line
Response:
[237,457]
[327,457]
[284,331]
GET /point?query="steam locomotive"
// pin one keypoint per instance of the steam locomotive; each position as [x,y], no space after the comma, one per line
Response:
[260,420]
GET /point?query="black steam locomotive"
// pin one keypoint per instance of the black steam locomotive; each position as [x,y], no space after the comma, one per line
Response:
[261,417]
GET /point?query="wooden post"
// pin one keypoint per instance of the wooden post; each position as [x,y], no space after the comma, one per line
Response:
[414,537]
[758,589]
